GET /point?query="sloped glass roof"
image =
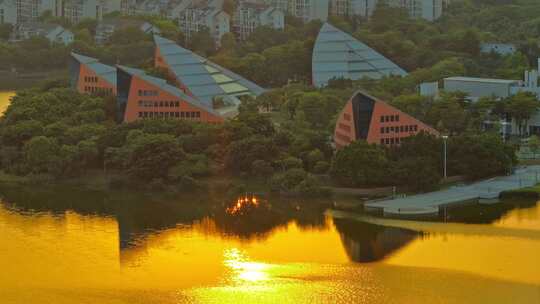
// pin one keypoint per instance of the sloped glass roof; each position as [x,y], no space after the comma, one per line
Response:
[204,79]
[337,54]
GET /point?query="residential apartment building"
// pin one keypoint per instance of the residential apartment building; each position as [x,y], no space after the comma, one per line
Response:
[77,10]
[308,10]
[53,32]
[362,8]
[21,11]
[8,12]
[250,15]
[426,9]
[205,15]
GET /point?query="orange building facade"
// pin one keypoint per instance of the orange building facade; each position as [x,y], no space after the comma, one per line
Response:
[89,76]
[141,96]
[367,118]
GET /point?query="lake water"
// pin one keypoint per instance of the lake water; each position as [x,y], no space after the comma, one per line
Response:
[5,99]
[71,246]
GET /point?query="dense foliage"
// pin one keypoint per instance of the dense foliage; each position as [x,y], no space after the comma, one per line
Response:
[418,162]
[59,134]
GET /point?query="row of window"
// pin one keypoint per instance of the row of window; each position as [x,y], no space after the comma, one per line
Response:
[390,141]
[90,79]
[99,90]
[148,93]
[150,103]
[389,118]
[399,129]
[169,114]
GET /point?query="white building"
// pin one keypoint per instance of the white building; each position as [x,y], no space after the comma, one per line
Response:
[20,11]
[205,15]
[8,12]
[282,5]
[426,9]
[249,15]
[498,48]
[53,32]
[361,8]
[306,10]
[77,10]
[480,87]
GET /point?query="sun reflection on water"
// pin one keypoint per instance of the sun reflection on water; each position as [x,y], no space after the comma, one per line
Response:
[244,270]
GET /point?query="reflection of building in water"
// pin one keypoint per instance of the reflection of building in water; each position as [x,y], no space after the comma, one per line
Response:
[365,242]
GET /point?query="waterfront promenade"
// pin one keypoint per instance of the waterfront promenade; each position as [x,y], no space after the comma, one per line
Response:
[429,204]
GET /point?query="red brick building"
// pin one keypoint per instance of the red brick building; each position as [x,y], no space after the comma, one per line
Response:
[367,118]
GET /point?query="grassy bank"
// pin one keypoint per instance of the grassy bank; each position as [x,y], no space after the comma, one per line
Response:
[529,193]
[10,81]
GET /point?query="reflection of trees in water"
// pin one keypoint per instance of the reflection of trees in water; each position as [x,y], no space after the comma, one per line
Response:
[486,214]
[138,214]
[258,222]
[365,242]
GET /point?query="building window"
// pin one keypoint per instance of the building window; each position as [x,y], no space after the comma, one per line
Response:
[397,117]
[382,118]
[392,118]
[382,130]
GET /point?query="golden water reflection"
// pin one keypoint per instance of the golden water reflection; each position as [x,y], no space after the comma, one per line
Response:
[73,258]
[5,99]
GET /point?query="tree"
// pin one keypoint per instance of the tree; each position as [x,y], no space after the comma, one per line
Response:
[127,36]
[360,164]
[41,154]
[202,42]
[534,144]
[242,153]
[479,156]
[261,168]
[228,43]
[521,107]
[151,156]
[5,31]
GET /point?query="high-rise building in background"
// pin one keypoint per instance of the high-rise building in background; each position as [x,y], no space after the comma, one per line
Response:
[250,15]
[77,10]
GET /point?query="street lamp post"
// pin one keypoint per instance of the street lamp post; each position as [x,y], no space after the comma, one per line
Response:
[445,138]
[504,123]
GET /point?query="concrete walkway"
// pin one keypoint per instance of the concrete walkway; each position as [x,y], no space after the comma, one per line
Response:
[428,204]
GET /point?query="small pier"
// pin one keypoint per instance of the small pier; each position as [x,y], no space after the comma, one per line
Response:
[429,204]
